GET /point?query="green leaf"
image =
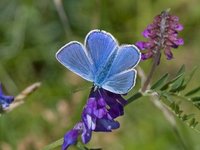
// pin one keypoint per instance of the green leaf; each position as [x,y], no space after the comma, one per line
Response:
[174,80]
[188,79]
[191,75]
[192,92]
[160,82]
[195,99]
[54,145]
[177,84]
[195,124]
[181,70]
[167,96]
[187,117]
[175,107]
[59,143]
[80,146]
[192,122]
[172,105]
[134,97]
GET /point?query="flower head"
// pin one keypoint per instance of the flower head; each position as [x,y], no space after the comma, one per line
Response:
[5,101]
[98,115]
[161,34]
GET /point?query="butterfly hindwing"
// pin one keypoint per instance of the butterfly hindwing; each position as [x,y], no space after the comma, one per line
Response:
[73,56]
[121,83]
[127,58]
[121,77]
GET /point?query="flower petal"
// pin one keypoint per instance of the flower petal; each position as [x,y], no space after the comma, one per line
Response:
[5,101]
[106,125]
[86,135]
[146,33]
[70,138]
[168,53]
[141,45]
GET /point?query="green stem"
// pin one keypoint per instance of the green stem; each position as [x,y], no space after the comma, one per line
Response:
[63,17]
[153,68]
[147,82]
[59,143]
[134,97]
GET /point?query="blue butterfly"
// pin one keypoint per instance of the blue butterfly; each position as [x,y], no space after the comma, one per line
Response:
[102,61]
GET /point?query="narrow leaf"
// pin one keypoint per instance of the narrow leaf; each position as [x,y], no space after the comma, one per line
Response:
[177,84]
[192,122]
[181,70]
[54,145]
[176,78]
[176,109]
[195,124]
[195,99]
[172,105]
[160,82]
[167,96]
[80,146]
[191,75]
[134,97]
[192,92]
[187,117]
[166,86]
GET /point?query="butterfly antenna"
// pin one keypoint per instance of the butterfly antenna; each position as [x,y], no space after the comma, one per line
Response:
[81,89]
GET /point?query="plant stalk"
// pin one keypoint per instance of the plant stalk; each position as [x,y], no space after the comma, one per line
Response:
[156,61]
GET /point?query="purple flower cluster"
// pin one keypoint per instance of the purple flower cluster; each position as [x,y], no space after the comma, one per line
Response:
[5,101]
[161,34]
[98,115]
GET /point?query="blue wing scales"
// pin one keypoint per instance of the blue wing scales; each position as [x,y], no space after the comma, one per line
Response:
[128,56]
[100,45]
[73,56]
[121,83]
[121,77]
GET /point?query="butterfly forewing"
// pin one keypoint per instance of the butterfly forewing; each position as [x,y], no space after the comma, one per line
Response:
[100,45]
[74,57]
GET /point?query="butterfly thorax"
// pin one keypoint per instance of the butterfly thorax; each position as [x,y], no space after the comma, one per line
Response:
[103,71]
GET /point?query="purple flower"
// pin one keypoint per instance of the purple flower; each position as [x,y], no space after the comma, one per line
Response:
[5,101]
[161,34]
[72,135]
[98,115]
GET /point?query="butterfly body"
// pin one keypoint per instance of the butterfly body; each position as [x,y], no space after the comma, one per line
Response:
[102,61]
[104,71]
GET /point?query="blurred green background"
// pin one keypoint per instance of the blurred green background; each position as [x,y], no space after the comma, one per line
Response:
[31,32]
